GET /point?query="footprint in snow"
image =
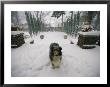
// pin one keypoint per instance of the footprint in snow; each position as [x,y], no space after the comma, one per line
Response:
[41,67]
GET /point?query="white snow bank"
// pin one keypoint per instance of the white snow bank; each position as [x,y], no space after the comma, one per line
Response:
[16,32]
[89,45]
[96,33]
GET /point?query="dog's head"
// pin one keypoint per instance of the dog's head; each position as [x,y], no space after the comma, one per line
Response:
[56,50]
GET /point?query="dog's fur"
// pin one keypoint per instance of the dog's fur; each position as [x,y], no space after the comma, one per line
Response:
[55,55]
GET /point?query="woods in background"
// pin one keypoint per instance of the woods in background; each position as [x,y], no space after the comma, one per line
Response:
[70,22]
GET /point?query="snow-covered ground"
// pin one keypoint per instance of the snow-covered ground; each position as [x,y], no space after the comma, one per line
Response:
[32,60]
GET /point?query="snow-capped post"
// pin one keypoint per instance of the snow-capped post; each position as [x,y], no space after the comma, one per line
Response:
[41,36]
[65,36]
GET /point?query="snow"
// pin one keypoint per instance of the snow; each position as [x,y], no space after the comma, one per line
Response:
[89,45]
[86,26]
[96,33]
[32,60]
[16,32]
[13,45]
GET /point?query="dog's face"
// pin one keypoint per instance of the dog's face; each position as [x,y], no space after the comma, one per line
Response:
[55,51]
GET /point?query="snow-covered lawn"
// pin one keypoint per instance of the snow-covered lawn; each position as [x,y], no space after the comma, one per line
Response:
[32,60]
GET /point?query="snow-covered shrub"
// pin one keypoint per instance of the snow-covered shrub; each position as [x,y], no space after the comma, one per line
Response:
[87,40]
[17,40]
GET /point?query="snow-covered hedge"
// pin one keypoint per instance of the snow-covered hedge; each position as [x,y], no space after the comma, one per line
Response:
[88,40]
[90,33]
[17,40]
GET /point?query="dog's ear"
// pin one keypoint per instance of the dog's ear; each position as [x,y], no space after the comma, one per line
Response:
[60,48]
[52,50]
[61,53]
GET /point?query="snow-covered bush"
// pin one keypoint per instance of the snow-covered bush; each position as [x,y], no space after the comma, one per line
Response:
[88,40]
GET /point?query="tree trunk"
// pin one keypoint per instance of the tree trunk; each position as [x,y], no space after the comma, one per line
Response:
[72,23]
[62,20]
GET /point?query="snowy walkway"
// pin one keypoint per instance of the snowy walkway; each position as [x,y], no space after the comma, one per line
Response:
[33,59]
